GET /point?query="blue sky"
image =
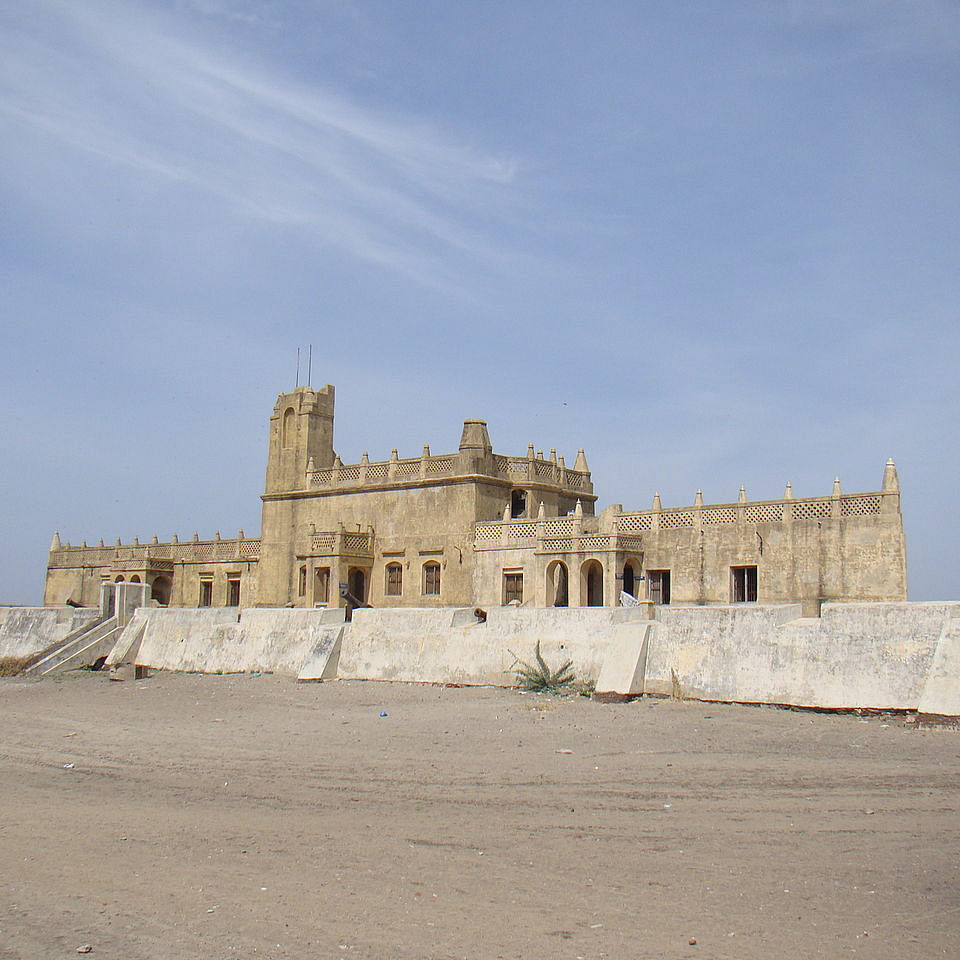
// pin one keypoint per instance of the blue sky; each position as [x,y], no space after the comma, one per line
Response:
[712,243]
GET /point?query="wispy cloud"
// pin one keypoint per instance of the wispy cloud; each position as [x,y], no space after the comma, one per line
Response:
[119,83]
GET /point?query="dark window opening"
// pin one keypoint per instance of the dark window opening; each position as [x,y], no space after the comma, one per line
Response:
[659,585]
[512,587]
[743,584]
[302,583]
[233,592]
[628,584]
[206,593]
[518,504]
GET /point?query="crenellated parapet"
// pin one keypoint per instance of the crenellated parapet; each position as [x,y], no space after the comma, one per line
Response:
[531,469]
[156,553]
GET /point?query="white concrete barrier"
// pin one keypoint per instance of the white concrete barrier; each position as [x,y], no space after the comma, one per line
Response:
[25,631]
[879,655]
[217,640]
[449,645]
[941,694]
[855,655]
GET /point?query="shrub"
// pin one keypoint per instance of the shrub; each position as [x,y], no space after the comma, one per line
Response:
[537,676]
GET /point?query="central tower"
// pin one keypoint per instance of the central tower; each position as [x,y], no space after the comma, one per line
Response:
[301,430]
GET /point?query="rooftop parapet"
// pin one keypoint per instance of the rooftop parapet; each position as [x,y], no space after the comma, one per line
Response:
[238,548]
[528,469]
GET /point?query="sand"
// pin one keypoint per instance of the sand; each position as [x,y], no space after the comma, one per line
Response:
[217,817]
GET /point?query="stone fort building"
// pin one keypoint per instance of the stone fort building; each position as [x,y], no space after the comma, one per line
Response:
[477,528]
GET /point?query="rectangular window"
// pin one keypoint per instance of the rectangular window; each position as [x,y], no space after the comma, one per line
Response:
[233,591]
[513,586]
[206,591]
[659,584]
[431,579]
[743,584]
[321,585]
[394,582]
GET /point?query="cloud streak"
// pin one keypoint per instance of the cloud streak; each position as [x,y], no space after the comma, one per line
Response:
[391,192]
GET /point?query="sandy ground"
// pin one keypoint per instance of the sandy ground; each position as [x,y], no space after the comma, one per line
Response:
[218,817]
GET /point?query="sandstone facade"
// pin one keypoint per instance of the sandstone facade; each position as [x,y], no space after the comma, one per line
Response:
[478,528]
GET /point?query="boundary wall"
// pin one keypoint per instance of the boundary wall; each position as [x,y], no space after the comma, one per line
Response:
[876,655]
[25,631]
[902,656]
[221,640]
[451,646]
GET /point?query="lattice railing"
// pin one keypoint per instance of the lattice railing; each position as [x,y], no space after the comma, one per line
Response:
[322,542]
[860,506]
[356,542]
[811,509]
[763,512]
[775,511]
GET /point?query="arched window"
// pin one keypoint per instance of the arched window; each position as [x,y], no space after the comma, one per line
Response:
[289,427]
[557,584]
[431,579]
[393,585]
[134,579]
[518,504]
[119,580]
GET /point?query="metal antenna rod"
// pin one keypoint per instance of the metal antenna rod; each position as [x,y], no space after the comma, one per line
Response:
[298,368]
[310,365]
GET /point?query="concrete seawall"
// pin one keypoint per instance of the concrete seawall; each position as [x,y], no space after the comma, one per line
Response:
[854,655]
[450,646]
[871,655]
[224,640]
[25,631]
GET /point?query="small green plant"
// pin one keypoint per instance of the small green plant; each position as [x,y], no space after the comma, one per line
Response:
[538,677]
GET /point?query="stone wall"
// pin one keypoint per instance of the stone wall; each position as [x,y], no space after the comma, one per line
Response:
[25,631]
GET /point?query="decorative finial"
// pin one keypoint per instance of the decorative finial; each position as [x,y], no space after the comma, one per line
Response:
[657,505]
[581,464]
[742,495]
[837,492]
[578,509]
[529,451]
[698,499]
[540,512]
[891,482]
[506,513]
[55,542]
[788,491]
[553,454]
[426,450]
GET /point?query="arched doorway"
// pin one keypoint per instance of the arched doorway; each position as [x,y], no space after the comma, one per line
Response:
[591,584]
[631,578]
[358,585]
[160,590]
[558,589]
